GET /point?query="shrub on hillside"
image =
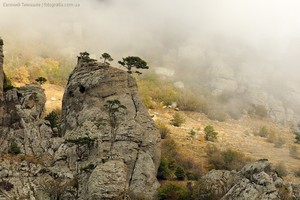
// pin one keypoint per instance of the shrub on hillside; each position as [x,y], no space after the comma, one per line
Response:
[297,173]
[14,148]
[204,191]
[172,158]
[180,173]
[227,159]
[172,191]
[163,172]
[297,138]
[272,137]
[41,80]
[192,133]
[191,102]
[7,85]
[177,120]
[281,169]
[54,118]
[163,130]
[263,132]
[210,133]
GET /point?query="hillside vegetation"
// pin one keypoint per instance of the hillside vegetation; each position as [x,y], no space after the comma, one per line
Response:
[184,117]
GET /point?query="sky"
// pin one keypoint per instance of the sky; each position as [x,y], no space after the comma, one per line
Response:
[247,34]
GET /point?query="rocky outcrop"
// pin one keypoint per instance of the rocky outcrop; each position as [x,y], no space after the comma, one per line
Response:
[106,126]
[26,143]
[254,181]
[1,80]
[108,146]
[22,122]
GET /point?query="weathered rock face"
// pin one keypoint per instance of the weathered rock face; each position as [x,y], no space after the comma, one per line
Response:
[255,181]
[1,80]
[22,123]
[109,147]
[26,143]
[106,126]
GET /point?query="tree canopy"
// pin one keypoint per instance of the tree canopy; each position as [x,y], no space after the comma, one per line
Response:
[41,80]
[106,57]
[133,62]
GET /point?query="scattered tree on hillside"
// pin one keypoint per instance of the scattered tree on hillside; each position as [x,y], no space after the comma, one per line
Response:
[106,57]
[85,58]
[41,80]
[133,61]
[210,133]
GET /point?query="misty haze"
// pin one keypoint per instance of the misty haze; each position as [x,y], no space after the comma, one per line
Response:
[222,92]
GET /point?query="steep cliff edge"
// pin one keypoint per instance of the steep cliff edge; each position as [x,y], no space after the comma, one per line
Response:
[1,80]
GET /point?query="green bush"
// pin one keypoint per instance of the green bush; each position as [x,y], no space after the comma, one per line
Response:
[163,172]
[172,191]
[210,133]
[180,173]
[203,191]
[192,133]
[281,169]
[54,118]
[14,148]
[297,138]
[90,167]
[193,169]
[41,80]
[7,85]
[81,141]
[227,159]
[177,120]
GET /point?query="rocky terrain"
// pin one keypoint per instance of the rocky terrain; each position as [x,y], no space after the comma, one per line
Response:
[254,181]
[108,146]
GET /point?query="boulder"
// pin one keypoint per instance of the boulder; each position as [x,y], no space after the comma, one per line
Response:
[257,180]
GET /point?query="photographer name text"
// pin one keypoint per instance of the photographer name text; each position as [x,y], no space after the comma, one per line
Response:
[40,5]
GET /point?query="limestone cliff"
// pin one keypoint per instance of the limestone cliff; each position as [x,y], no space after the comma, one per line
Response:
[1,80]
[101,105]
[108,147]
